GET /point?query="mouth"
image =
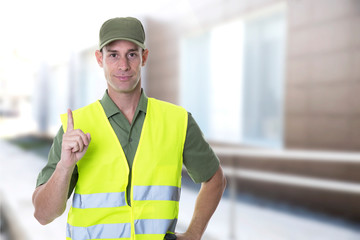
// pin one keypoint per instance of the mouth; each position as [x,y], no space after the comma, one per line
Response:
[123,78]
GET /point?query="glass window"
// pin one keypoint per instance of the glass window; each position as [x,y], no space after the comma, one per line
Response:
[264,59]
[195,78]
[232,80]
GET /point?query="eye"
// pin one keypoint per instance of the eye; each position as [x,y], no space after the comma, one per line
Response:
[113,55]
[132,55]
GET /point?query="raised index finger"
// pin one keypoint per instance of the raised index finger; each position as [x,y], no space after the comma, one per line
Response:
[70,123]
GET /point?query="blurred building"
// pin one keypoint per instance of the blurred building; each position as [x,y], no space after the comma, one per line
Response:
[259,76]
[298,59]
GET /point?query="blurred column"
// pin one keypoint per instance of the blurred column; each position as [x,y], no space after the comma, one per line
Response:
[233,193]
[41,95]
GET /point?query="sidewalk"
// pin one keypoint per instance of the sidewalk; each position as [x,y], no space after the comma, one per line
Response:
[18,173]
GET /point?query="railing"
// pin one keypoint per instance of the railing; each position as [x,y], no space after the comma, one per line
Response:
[332,173]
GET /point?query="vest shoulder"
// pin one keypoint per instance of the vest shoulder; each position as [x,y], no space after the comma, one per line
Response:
[88,107]
[80,113]
[166,105]
[85,108]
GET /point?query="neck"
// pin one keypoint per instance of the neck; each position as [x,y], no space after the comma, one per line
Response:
[126,102]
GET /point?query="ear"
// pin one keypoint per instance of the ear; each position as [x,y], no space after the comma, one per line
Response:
[99,58]
[145,56]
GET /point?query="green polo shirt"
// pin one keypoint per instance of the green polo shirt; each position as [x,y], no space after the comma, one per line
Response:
[199,159]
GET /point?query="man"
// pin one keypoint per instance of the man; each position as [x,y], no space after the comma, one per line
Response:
[124,155]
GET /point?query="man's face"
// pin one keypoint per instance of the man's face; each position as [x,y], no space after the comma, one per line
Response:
[122,61]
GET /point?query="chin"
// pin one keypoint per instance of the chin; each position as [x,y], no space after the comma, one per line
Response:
[124,89]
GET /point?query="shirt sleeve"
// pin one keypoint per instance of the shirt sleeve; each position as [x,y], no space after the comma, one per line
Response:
[53,159]
[199,159]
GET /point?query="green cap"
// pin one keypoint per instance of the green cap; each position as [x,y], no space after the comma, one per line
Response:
[128,28]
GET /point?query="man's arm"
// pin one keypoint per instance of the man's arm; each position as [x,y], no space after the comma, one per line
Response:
[206,204]
[50,199]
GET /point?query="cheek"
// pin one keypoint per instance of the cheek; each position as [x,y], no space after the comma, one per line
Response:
[108,67]
[107,72]
[136,65]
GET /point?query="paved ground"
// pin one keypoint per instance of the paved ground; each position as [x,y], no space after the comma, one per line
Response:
[243,218]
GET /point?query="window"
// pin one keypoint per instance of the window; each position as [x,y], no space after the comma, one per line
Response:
[232,79]
[264,59]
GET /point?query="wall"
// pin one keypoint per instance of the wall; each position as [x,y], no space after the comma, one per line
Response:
[323,80]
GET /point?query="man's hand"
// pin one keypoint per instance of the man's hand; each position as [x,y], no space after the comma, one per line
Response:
[183,236]
[74,145]
[50,198]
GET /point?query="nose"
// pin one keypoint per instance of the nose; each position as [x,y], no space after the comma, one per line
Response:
[123,64]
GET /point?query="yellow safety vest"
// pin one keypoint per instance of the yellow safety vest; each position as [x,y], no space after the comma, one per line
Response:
[100,209]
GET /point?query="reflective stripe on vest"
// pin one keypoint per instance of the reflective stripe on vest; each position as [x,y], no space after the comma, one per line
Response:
[100,208]
[99,200]
[169,193]
[154,226]
[100,231]
[103,200]
[121,230]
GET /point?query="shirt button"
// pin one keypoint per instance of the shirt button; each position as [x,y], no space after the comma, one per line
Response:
[130,139]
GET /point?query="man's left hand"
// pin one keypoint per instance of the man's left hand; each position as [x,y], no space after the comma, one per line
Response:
[184,236]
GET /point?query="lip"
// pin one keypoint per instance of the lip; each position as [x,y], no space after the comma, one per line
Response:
[123,78]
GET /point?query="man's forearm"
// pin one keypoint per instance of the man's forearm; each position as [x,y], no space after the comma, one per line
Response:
[50,199]
[206,204]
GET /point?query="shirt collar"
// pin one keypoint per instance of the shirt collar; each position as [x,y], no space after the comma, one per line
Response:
[111,109]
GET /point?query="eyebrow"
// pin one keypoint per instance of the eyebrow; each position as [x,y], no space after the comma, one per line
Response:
[130,50]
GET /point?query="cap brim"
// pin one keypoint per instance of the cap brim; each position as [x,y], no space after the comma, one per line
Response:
[126,39]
